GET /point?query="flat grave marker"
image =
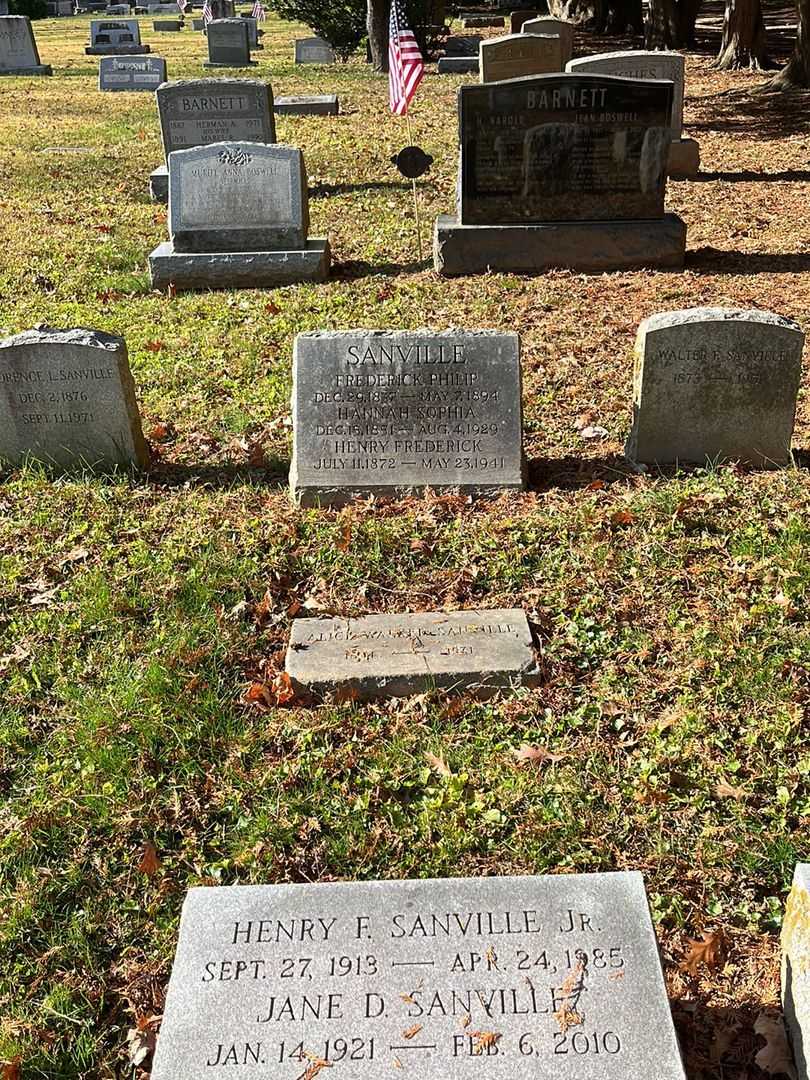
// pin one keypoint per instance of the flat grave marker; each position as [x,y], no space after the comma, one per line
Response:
[67,399]
[448,979]
[18,48]
[131,73]
[167,26]
[307,105]
[457,65]
[395,412]
[715,384]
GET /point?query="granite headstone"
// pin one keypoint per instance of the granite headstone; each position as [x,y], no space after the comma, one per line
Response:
[547,24]
[518,18]
[131,72]
[457,65]
[67,399]
[18,49]
[167,26]
[517,55]
[228,44]
[393,412]
[115,37]
[715,384]
[313,50]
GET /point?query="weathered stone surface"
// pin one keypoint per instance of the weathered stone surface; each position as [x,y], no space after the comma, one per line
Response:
[640,65]
[463,45]
[471,22]
[308,105]
[563,148]
[394,412]
[595,247]
[313,50]
[516,55]
[238,196]
[167,26]
[117,9]
[457,65]
[518,18]
[18,48]
[378,977]
[131,72]
[67,399]
[547,24]
[714,384]
[228,43]
[684,159]
[796,968]
[237,269]
[115,37]
[381,656]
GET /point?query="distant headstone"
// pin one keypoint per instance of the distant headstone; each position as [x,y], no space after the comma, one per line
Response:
[307,105]
[796,968]
[393,413]
[508,977]
[56,8]
[131,72]
[117,9]
[238,216]
[67,399]
[228,44]
[383,656]
[253,31]
[472,21]
[313,50]
[457,65]
[167,26]
[198,24]
[3,7]
[518,18]
[562,171]
[516,55]
[463,45]
[115,37]
[547,24]
[195,112]
[18,49]
[715,384]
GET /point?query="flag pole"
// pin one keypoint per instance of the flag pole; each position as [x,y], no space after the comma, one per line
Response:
[415,198]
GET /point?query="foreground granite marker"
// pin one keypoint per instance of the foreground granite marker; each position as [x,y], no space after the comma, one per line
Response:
[796,968]
[18,48]
[67,399]
[455,979]
[195,112]
[131,72]
[715,384]
[393,413]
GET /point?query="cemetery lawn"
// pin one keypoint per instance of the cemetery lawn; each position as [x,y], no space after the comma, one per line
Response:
[147,742]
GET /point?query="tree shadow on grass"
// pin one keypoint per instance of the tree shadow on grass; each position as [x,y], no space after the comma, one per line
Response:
[353,269]
[709,260]
[754,113]
[797,175]
[707,1033]
[572,473]
[219,477]
[323,191]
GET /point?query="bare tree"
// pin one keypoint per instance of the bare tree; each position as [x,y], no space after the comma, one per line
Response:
[377,26]
[796,74]
[743,44]
[670,24]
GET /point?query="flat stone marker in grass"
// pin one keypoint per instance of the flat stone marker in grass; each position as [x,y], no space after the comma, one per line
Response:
[796,968]
[167,26]
[457,65]
[382,656]
[18,48]
[67,399]
[392,413]
[313,50]
[131,72]
[195,112]
[307,105]
[115,37]
[516,55]
[228,44]
[715,384]
[512,978]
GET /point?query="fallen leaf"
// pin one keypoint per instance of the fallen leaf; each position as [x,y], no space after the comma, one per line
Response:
[11,1069]
[535,755]
[77,554]
[438,764]
[482,1040]
[775,1057]
[593,432]
[708,952]
[149,861]
[622,517]
[596,485]
[171,290]
[345,536]
[257,458]
[726,791]
[141,1042]
[271,308]
[283,689]
[411,1031]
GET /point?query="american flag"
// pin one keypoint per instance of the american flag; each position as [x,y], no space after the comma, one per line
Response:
[258,12]
[207,13]
[182,4]
[405,64]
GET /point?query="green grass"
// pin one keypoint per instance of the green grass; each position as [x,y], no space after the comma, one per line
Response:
[135,613]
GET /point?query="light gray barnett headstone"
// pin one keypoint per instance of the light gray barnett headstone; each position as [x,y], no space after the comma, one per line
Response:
[796,968]
[393,412]
[453,979]
[382,656]
[67,399]
[715,384]
[131,72]
[18,49]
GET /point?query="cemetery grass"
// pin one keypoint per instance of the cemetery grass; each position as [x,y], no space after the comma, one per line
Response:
[148,741]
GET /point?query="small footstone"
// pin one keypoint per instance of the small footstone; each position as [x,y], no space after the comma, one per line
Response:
[511,978]
[457,65]
[381,656]
[307,105]
[67,399]
[796,968]
[684,159]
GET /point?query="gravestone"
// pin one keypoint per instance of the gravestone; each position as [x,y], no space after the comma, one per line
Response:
[238,217]
[562,171]
[115,37]
[383,656]
[253,31]
[448,979]
[547,24]
[516,55]
[464,45]
[796,968]
[18,48]
[457,65]
[67,399]
[167,26]
[473,20]
[195,112]
[715,384]
[313,50]
[131,72]
[117,9]
[228,44]
[396,412]
[518,18]
[198,24]
[3,7]
[684,154]
[307,105]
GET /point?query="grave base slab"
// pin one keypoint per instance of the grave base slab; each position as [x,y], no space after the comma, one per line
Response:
[457,65]
[590,246]
[221,64]
[238,269]
[307,105]
[117,50]
[159,184]
[684,159]
[311,495]
[40,69]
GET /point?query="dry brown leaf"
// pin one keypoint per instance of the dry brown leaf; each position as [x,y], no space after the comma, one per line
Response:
[345,536]
[775,1057]
[283,689]
[411,1031]
[11,1070]
[149,861]
[438,764]
[708,952]
[482,1040]
[154,346]
[535,755]
[141,1042]
[726,791]
[622,517]
[257,459]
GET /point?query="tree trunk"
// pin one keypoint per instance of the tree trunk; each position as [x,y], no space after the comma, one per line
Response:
[687,18]
[377,26]
[661,26]
[624,15]
[743,44]
[796,75]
